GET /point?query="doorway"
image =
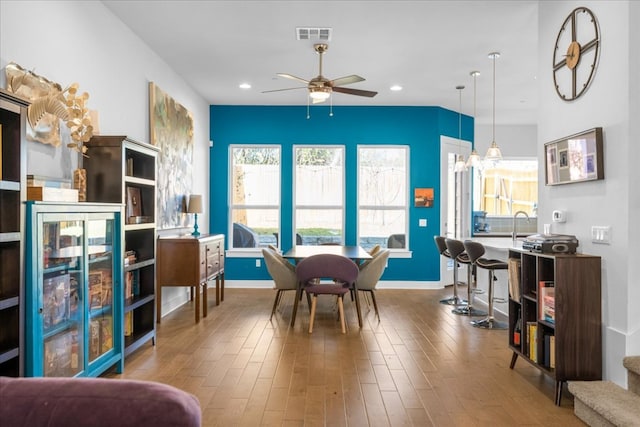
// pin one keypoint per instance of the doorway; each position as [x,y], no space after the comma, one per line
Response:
[455,197]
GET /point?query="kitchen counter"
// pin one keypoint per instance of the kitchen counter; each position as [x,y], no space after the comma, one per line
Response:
[500,243]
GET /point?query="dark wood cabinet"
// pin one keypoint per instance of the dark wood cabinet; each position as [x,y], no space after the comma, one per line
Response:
[121,170]
[191,261]
[557,315]
[13,113]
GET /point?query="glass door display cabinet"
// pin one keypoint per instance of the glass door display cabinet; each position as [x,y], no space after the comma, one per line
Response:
[74,269]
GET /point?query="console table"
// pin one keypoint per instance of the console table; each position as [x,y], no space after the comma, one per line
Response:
[191,261]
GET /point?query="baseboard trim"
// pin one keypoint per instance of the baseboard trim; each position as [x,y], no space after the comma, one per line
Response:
[390,284]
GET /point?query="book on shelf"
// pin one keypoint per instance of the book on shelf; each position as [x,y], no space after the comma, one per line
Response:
[128,324]
[95,290]
[130,258]
[546,301]
[0,151]
[549,351]
[532,337]
[129,171]
[61,358]
[94,339]
[517,330]
[56,300]
[106,333]
[128,284]
[514,278]
[546,360]
[106,285]
[135,283]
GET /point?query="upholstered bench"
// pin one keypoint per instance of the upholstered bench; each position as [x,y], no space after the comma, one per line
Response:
[95,402]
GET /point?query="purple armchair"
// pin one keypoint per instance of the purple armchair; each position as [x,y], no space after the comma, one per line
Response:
[342,270]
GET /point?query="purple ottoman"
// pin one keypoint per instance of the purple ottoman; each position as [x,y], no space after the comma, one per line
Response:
[95,402]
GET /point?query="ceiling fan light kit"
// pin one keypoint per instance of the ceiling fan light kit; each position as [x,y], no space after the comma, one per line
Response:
[319,94]
[320,88]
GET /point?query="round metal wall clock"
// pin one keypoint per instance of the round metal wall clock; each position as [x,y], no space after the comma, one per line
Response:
[576,53]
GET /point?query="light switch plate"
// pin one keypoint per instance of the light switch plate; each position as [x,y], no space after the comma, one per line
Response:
[422,222]
[601,234]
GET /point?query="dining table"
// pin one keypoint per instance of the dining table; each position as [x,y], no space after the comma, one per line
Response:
[299,252]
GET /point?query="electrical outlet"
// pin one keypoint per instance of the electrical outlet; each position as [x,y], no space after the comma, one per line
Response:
[258,263]
[601,234]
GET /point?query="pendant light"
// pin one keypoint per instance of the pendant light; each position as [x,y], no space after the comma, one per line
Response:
[493,153]
[460,165]
[474,158]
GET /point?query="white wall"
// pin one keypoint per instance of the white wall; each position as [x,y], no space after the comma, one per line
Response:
[513,140]
[615,200]
[81,41]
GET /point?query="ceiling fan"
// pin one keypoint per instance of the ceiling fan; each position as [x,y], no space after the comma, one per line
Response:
[320,88]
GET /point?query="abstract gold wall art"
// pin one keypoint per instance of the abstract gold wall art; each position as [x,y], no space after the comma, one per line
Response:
[171,130]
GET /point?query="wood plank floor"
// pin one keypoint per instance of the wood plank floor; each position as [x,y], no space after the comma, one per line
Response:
[420,365]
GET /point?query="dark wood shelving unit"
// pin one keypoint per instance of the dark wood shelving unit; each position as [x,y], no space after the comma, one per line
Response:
[121,170]
[576,327]
[13,113]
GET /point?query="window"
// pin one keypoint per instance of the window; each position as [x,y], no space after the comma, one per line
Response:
[319,195]
[507,187]
[383,196]
[254,195]
[500,190]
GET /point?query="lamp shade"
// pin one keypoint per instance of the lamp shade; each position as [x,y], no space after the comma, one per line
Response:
[195,204]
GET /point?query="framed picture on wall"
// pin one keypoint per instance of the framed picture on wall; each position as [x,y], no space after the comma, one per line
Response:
[575,158]
[423,197]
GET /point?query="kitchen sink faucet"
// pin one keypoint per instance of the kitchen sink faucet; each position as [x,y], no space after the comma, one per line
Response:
[515,215]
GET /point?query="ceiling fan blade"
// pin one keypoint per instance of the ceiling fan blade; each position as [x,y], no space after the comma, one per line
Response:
[280,90]
[357,92]
[346,80]
[289,76]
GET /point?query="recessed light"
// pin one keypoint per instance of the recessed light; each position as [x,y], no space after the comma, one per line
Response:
[396,88]
[245,86]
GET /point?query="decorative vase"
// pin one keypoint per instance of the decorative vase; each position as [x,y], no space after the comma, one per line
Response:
[80,183]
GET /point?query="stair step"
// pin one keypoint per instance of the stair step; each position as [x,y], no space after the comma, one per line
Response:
[605,403]
[632,363]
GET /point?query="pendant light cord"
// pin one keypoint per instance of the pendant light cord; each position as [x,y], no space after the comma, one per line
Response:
[494,97]
[459,117]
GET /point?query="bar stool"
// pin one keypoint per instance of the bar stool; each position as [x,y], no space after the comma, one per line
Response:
[456,248]
[444,251]
[475,251]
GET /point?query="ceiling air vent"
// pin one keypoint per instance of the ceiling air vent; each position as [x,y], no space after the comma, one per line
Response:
[320,34]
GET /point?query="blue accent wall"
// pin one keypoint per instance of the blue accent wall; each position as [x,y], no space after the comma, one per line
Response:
[418,127]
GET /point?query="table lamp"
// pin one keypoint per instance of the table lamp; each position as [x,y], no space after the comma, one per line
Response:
[195,207]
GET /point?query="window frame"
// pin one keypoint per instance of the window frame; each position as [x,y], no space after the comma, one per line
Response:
[395,252]
[294,205]
[254,251]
